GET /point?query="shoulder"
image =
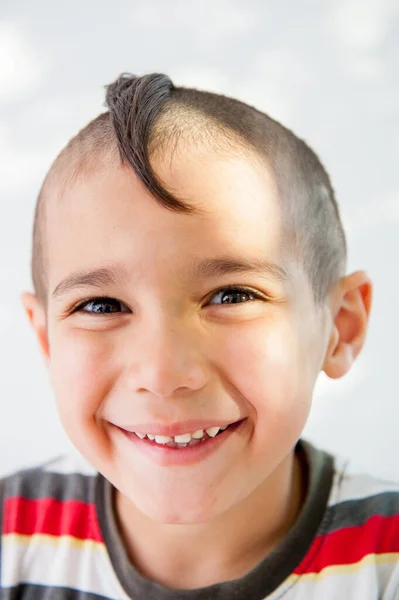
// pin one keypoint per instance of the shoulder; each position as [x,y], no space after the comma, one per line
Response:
[362,518]
[358,499]
[361,514]
[358,540]
[49,512]
[48,497]
[61,478]
[355,553]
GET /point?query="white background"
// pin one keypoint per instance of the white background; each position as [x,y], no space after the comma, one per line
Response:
[329,70]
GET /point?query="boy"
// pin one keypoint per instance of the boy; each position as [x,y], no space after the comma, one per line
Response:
[189,273]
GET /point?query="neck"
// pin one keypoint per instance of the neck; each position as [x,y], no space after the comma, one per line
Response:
[228,547]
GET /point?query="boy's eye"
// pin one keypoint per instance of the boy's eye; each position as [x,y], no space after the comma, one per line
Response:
[105,305]
[101,306]
[235,295]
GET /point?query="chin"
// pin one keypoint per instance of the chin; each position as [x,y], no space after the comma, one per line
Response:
[175,512]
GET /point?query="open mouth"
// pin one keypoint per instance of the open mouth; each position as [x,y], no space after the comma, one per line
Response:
[187,440]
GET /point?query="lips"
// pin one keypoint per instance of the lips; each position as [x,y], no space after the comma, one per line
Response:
[172,453]
[177,429]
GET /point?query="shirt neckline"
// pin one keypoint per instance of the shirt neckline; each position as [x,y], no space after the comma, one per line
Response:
[258,583]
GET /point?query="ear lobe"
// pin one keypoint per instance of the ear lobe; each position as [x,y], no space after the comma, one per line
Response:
[352,310]
[37,317]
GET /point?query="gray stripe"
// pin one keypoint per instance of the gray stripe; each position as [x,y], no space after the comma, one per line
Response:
[34,484]
[354,513]
[28,591]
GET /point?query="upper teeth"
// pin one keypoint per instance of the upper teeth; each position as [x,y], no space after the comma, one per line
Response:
[183,438]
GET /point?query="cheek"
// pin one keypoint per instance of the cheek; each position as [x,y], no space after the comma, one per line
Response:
[80,373]
[268,367]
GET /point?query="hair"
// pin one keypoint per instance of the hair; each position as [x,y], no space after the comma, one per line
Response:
[149,114]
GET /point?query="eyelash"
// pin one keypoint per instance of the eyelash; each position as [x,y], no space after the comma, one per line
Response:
[109,300]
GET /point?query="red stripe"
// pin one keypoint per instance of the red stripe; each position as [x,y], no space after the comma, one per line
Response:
[51,517]
[379,535]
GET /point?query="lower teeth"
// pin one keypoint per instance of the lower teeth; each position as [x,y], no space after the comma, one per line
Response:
[192,442]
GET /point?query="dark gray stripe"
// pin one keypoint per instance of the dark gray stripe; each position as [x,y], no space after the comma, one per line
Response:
[34,484]
[354,513]
[264,578]
[29,591]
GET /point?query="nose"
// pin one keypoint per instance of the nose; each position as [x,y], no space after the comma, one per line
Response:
[169,359]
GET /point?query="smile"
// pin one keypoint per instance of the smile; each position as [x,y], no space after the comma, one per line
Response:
[184,440]
[182,448]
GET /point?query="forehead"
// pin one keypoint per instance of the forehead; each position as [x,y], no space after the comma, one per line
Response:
[109,216]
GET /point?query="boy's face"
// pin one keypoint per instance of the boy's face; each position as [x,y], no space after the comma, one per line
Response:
[174,351]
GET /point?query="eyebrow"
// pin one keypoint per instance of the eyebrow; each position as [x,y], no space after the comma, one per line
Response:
[217,267]
[115,274]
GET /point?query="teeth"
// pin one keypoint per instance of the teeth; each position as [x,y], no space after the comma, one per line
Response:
[183,439]
[212,431]
[163,439]
[197,435]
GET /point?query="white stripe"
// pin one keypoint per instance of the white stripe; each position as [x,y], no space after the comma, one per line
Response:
[89,569]
[357,487]
[368,583]
[52,561]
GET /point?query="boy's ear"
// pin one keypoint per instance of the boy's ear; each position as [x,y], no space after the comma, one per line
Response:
[351,308]
[37,317]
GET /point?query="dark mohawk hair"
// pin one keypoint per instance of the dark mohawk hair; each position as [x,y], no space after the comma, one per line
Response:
[134,104]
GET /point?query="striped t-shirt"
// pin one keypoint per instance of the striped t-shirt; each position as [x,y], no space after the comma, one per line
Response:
[60,540]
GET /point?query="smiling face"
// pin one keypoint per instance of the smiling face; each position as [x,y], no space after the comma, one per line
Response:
[171,350]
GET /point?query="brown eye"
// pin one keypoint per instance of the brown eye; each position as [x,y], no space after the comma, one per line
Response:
[235,296]
[102,306]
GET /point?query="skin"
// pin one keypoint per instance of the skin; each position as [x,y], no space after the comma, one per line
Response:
[177,353]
